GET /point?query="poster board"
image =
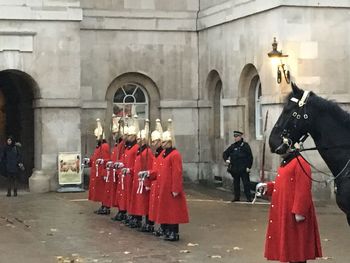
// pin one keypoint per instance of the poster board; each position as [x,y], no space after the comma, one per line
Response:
[69,168]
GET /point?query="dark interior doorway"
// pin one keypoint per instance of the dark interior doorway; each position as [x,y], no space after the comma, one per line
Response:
[17,116]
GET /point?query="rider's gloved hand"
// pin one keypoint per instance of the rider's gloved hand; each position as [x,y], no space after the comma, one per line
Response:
[299,218]
[125,170]
[261,188]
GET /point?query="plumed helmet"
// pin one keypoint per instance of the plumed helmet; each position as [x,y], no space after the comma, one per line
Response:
[115,124]
[158,132]
[98,130]
[134,128]
[143,134]
[168,135]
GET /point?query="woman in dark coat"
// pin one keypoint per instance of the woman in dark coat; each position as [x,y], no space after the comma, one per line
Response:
[12,162]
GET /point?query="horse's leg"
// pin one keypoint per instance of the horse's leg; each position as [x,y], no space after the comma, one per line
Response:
[348,217]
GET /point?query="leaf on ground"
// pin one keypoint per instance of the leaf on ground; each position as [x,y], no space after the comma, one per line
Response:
[185,251]
[237,248]
[53,230]
[127,252]
[327,258]
[192,244]
[215,256]
[326,240]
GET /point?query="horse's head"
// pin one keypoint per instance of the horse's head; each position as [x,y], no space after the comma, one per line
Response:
[291,125]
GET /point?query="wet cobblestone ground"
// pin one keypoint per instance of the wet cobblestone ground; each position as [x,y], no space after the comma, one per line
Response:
[39,228]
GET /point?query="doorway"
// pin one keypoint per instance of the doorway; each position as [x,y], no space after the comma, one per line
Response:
[17,116]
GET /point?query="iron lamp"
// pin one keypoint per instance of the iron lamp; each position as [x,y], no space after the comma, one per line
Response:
[281,68]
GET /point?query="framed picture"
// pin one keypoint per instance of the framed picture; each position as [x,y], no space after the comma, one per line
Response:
[69,168]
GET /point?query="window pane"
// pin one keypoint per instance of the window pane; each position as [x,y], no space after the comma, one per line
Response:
[141,111]
[139,95]
[129,99]
[119,95]
[129,89]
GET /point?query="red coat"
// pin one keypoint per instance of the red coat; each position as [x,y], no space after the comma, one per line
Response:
[286,239]
[139,199]
[116,156]
[92,180]
[125,181]
[97,193]
[154,192]
[171,210]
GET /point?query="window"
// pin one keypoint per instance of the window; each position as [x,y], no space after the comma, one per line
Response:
[258,112]
[131,99]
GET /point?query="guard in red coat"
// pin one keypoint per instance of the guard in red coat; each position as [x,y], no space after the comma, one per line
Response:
[117,157]
[292,232]
[127,172]
[91,162]
[112,166]
[102,159]
[139,198]
[120,195]
[156,138]
[172,206]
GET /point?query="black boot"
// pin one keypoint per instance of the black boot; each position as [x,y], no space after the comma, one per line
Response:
[104,211]
[172,236]
[116,217]
[8,192]
[99,210]
[15,192]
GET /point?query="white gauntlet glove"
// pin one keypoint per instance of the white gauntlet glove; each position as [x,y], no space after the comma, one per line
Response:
[261,189]
[299,218]
[125,170]
[86,161]
[143,174]
[227,162]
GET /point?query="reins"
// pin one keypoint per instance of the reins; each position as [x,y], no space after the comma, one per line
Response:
[333,178]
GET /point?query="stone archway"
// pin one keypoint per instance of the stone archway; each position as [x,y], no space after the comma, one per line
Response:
[17,91]
[214,88]
[246,88]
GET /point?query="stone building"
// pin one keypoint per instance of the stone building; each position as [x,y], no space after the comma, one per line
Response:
[203,63]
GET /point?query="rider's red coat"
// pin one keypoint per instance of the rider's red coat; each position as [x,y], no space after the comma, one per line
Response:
[154,192]
[98,185]
[286,239]
[171,210]
[139,199]
[125,180]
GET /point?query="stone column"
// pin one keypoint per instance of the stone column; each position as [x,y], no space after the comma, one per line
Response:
[38,182]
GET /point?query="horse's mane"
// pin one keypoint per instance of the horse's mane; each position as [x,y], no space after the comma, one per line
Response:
[331,107]
[324,105]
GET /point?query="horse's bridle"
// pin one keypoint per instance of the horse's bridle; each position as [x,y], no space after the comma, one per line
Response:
[296,115]
[287,141]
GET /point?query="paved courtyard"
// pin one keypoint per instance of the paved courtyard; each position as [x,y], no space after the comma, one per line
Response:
[39,228]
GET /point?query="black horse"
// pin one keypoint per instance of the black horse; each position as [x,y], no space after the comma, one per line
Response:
[305,114]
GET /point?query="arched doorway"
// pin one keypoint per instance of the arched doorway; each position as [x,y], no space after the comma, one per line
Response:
[17,115]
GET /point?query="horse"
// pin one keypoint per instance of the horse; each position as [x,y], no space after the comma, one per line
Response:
[304,114]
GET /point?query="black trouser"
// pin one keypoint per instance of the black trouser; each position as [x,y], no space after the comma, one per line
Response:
[173,228]
[12,180]
[237,185]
